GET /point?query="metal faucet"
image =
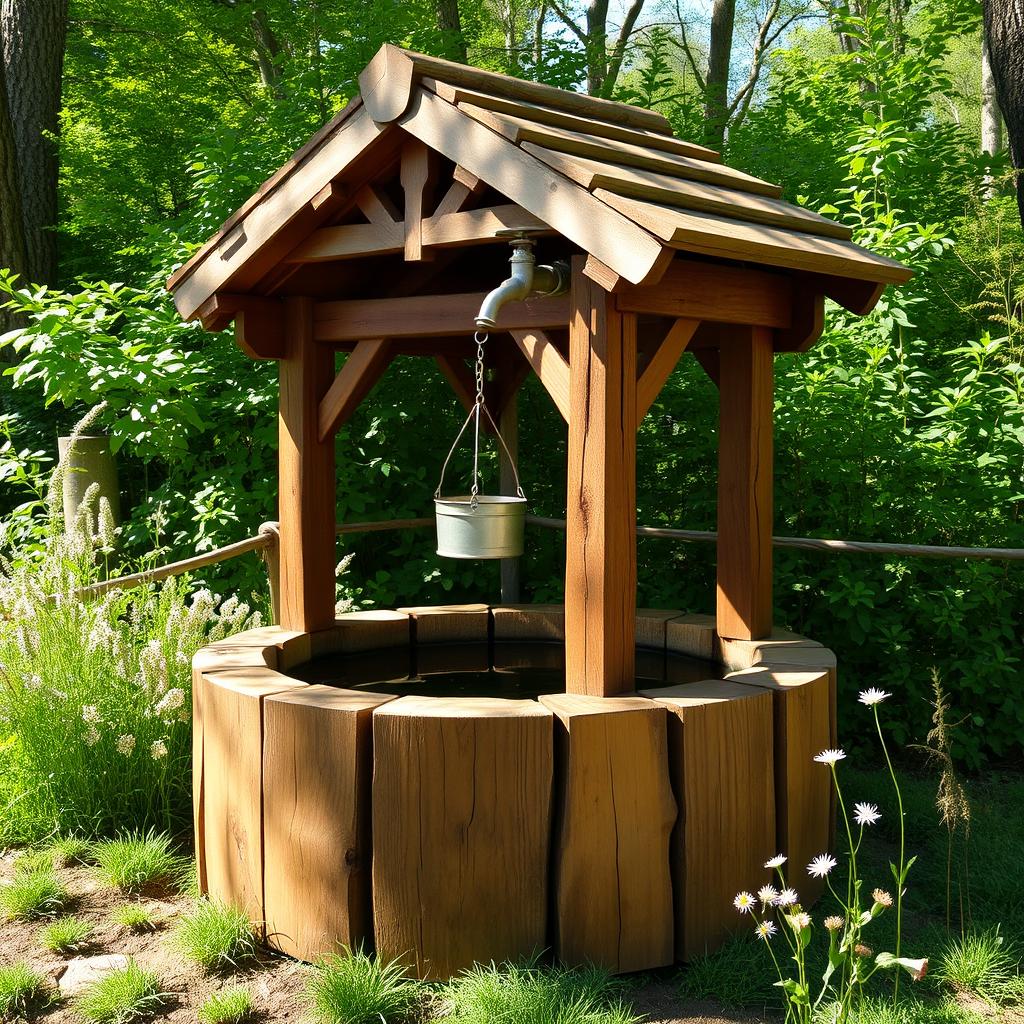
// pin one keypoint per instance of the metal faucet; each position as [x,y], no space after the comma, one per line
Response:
[526,279]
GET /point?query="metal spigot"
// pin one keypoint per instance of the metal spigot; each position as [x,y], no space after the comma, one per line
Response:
[526,279]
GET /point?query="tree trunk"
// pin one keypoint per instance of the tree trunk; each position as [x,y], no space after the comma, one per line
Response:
[449,24]
[716,93]
[268,50]
[33,33]
[991,119]
[12,228]
[597,46]
[1004,34]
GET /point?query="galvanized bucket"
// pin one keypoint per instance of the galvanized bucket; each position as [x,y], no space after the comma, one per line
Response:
[488,526]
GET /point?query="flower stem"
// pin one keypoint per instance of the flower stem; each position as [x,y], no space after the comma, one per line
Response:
[903,848]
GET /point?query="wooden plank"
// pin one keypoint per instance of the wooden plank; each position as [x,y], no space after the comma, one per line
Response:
[549,364]
[419,168]
[573,212]
[362,369]
[376,205]
[720,753]
[372,630]
[479,227]
[692,634]
[661,365]
[698,190]
[450,623]
[260,329]
[745,485]
[464,188]
[523,132]
[614,815]
[731,239]
[709,292]
[461,826]
[600,581]
[306,502]
[808,320]
[502,104]
[423,316]
[386,86]
[529,622]
[348,241]
[317,770]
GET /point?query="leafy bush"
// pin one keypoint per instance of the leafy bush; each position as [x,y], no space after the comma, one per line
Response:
[232,1006]
[32,894]
[355,988]
[134,861]
[65,935]
[121,997]
[216,936]
[21,989]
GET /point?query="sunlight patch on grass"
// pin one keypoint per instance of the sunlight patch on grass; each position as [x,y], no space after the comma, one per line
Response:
[66,935]
[21,989]
[981,963]
[133,861]
[121,997]
[232,1006]
[32,894]
[354,988]
[216,936]
[133,916]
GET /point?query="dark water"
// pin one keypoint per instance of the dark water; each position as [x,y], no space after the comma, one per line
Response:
[521,671]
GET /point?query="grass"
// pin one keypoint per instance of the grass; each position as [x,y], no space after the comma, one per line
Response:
[122,996]
[134,917]
[65,935]
[68,850]
[133,862]
[216,936]
[740,974]
[232,1006]
[529,994]
[32,894]
[354,988]
[31,861]
[981,963]
[21,989]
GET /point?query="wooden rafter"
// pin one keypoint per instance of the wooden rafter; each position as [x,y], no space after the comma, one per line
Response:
[377,207]
[662,363]
[464,188]
[362,369]
[549,364]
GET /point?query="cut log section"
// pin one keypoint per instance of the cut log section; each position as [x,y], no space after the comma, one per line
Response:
[529,622]
[450,623]
[613,894]
[720,743]
[461,826]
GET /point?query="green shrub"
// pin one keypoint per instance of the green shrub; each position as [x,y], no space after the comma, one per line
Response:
[21,989]
[32,894]
[134,861]
[216,936]
[122,996]
[65,935]
[134,917]
[232,1006]
[354,988]
[980,962]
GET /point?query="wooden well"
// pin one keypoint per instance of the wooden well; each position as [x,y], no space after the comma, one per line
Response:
[379,239]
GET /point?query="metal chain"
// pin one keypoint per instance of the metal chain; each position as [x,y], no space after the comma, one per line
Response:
[480,337]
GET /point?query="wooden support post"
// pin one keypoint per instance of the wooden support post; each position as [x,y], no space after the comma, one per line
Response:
[306,477]
[745,484]
[600,577]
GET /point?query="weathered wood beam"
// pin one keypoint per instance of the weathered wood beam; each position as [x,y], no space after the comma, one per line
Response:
[464,188]
[347,241]
[662,363]
[549,364]
[306,503]
[745,485]
[423,316]
[362,369]
[419,167]
[600,577]
[695,290]
[259,322]
[376,206]
[478,227]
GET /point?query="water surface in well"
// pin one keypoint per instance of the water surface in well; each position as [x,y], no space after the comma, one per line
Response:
[522,671]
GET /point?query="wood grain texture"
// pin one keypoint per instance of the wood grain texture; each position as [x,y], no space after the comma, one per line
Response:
[461,825]
[600,577]
[374,629]
[479,227]
[464,188]
[348,241]
[650,626]
[306,501]
[529,622]
[548,364]
[720,752]
[317,770]
[692,634]
[232,804]
[660,367]
[615,813]
[363,368]
[418,173]
[450,623]
[745,485]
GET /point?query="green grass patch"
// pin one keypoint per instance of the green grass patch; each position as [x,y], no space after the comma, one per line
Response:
[32,894]
[122,996]
[981,963]
[31,861]
[133,916]
[232,1006]
[529,994]
[21,990]
[66,935]
[69,850]
[133,862]
[216,936]
[740,974]
[354,988]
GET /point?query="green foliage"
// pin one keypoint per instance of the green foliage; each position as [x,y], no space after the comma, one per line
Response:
[737,975]
[530,994]
[133,916]
[21,990]
[216,936]
[68,850]
[134,861]
[355,988]
[66,935]
[121,997]
[32,894]
[978,962]
[232,1006]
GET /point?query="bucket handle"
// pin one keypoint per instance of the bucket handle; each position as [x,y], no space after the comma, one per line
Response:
[474,413]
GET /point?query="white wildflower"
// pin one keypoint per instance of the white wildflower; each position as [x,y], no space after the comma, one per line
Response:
[834,923]
[91,713]
[821,865]
[829,756]
[157,750]
[873,696]
[125,744]
[799,921]
[776,862]
[787,898]
[743,902]
[767,894]
[765,930]
[171,701]
[34,682]
[865,814]
[92,736]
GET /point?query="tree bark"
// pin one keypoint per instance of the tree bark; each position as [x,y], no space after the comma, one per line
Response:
[716,93]
[1004,34]
[449,24]
[268,51]
[597,46]
[33,34]
[991,119]
[12,228]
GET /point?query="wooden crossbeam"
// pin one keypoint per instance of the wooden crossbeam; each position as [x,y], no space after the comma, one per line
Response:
[549,364]
[376,206]
[662,363]
[464,187]
[419,164]
[362,369]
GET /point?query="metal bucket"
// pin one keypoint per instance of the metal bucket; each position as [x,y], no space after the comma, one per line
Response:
[492,528]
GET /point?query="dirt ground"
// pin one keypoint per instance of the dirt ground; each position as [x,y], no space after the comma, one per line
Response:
[276,982]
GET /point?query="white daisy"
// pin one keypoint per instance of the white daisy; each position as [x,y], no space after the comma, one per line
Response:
[765,930]
[830,756]
[787,898]
[873,696]
[865,814]
[776,862]
[744,902]
[821,865]
[767,894]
